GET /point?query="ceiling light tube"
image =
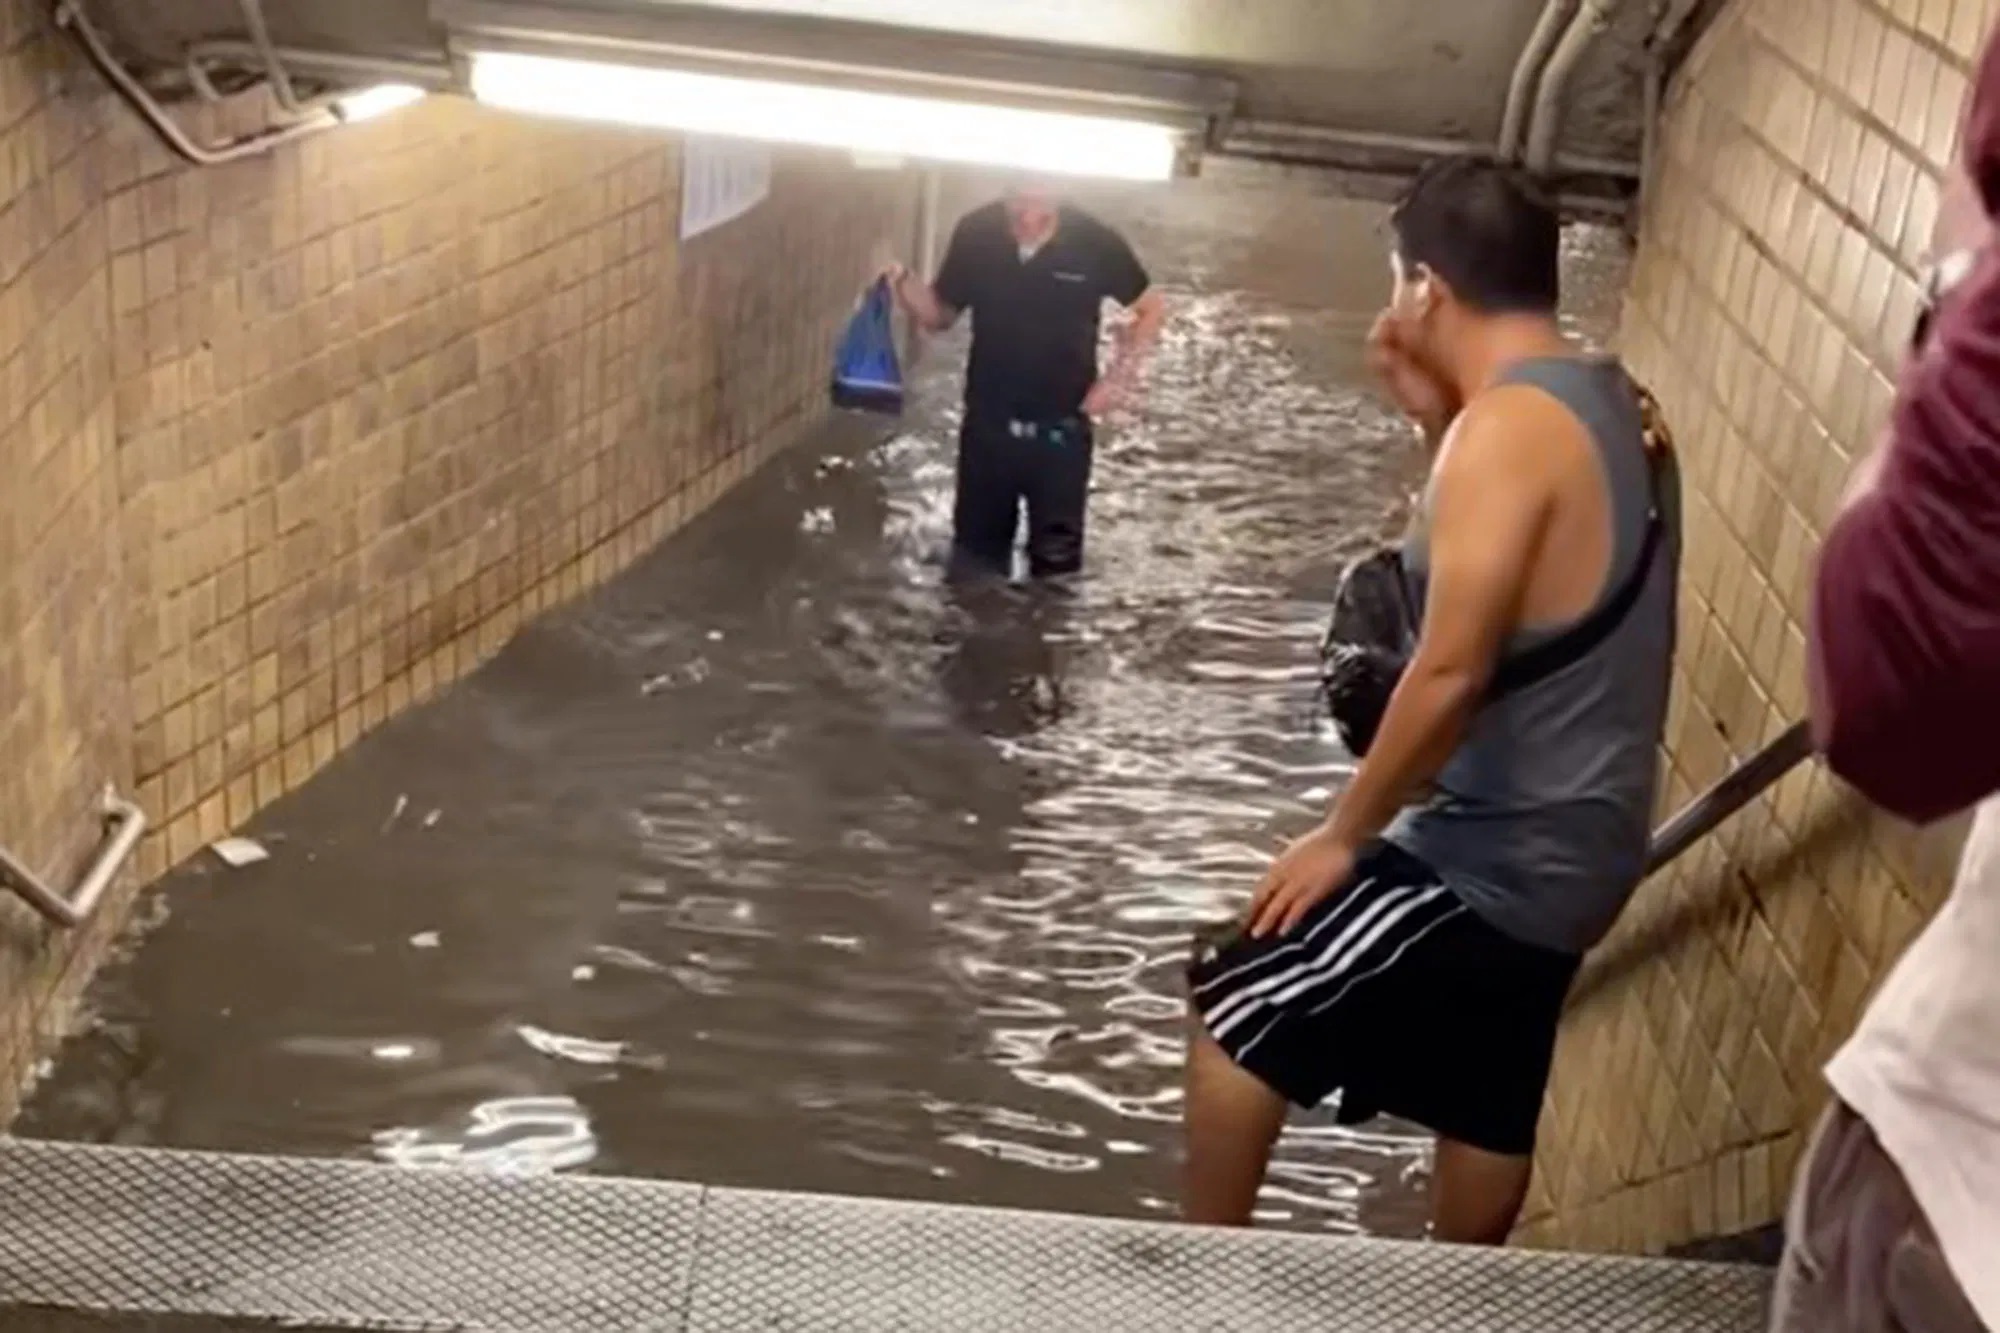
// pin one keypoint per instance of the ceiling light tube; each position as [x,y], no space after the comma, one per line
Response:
[377,101]
[884,124]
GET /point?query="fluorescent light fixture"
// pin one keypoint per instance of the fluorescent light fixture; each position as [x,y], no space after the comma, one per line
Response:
[875,124]
[377,101]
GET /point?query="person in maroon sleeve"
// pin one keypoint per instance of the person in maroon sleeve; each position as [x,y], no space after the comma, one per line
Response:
[1895,1219]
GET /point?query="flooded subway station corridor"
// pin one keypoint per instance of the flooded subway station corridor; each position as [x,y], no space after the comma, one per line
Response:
[779,863]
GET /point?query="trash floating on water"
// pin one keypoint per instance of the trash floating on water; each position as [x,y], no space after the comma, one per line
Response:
[402,804]
[582,1050]
[715,915]
[431,819]
[691,673]
[427,939]
[237,853]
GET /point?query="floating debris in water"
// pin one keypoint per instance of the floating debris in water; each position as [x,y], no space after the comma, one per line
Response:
[693,673]
[402,804]
[237,853]
[579,1050]
[427,939]
[431,819]
[711,914]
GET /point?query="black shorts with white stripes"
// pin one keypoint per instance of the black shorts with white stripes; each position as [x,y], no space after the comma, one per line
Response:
[1398,997]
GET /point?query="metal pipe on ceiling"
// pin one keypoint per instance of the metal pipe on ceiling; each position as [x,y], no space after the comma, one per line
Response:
[70,14]
[1660,46]
[1527,76]
[197,77]
[1676,18]
[1305,143]
[1545,120]
[1373,166]
[1649,142]
[274,69]
[336,66]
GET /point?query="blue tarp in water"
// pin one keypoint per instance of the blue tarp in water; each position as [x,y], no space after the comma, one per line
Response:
[866,373]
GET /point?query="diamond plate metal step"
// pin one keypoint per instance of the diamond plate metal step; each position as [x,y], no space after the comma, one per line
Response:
[179,1242]
[44,1320]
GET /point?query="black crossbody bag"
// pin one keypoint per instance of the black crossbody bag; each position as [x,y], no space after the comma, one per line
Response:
[1368,643]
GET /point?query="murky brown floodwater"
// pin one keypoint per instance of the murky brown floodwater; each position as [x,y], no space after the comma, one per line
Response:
[778,864]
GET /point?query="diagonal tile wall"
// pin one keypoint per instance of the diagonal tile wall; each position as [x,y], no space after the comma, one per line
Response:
[1775,286]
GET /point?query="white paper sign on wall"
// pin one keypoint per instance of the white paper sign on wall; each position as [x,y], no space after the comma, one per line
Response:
[721,180]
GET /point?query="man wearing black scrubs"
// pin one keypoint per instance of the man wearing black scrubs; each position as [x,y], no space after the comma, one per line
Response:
[1035,274]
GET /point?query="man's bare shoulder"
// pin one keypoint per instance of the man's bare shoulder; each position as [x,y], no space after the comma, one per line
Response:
[1504,434]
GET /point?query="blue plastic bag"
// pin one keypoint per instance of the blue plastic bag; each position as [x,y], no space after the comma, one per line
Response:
[866,374]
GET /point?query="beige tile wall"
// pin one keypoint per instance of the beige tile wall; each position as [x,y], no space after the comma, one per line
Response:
[1774,289]
[65,710]
[293,442]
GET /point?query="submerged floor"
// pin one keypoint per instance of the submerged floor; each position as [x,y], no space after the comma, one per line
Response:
[776,864]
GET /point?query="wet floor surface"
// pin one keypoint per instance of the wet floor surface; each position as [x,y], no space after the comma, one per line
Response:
[779,863]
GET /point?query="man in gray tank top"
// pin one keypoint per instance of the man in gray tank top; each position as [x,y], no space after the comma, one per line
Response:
[1411,953]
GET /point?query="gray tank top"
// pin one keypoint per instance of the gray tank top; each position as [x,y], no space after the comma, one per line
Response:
[1540,819]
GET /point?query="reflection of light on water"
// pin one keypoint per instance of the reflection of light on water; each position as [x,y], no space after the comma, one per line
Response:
[400,1050]
[1022,1154]
[510,1135]
[1162,1105]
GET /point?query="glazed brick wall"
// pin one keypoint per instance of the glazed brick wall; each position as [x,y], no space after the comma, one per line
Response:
[1776,281]
[291,443]
[65,704]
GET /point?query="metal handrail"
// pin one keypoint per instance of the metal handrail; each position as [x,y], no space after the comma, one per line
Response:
[124,825]
[1736,789]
